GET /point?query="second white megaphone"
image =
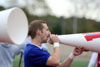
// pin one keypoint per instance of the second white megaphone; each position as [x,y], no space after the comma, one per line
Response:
[90,41]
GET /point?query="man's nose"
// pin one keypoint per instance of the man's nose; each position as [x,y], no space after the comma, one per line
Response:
[49,33]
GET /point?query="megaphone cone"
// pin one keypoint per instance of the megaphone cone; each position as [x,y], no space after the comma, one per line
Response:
[13,26]
[90,41]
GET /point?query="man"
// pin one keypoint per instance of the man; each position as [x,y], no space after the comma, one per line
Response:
[35,56]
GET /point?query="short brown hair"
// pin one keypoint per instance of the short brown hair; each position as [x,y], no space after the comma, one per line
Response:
[34,26]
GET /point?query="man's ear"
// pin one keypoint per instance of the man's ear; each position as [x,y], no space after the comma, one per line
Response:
[38,32]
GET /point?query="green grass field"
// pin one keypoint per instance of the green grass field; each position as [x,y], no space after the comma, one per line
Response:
[16,62]
[76,63]
[79,63]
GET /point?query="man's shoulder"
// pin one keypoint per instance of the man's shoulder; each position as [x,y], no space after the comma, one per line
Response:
[32,48]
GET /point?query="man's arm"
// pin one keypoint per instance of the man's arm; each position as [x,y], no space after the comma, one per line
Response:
[54,59]
[67,62]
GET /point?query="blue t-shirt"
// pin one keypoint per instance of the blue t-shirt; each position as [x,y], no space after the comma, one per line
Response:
[35,56]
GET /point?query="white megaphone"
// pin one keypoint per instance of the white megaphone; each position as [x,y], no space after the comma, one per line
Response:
[13,26]
[90,41]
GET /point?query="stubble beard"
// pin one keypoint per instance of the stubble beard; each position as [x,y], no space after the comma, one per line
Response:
[44,41]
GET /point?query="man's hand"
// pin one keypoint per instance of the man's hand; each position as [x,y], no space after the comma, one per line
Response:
[77,51]
[53,39]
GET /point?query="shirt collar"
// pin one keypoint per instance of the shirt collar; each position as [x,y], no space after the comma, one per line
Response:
[37,46]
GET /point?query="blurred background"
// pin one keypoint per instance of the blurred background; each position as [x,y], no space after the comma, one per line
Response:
[63,17]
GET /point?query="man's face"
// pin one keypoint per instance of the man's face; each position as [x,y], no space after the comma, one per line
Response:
[45,33]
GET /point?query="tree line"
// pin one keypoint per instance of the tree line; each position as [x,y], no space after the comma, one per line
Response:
[61,25]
